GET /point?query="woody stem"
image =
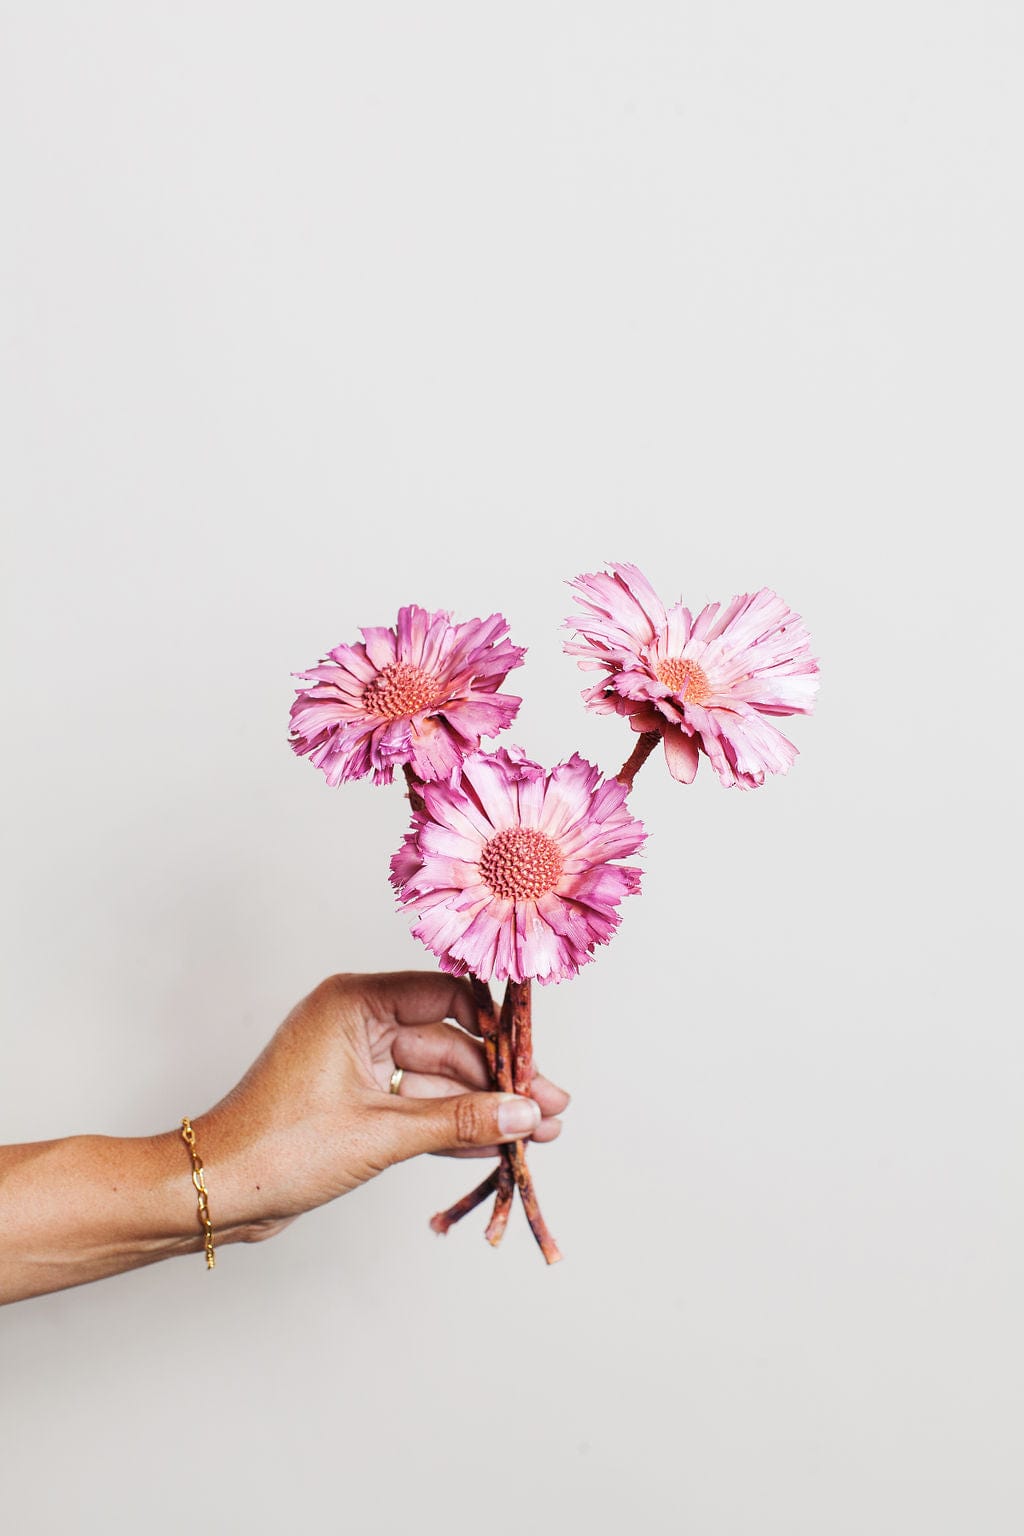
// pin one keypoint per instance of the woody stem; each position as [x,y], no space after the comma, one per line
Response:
[502,1077]
[634,762]
[518,996]
[415,785]
[445,1219]
[517,1009]
[501,1179]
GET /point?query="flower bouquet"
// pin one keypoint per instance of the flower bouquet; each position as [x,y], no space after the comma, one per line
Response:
[512,870]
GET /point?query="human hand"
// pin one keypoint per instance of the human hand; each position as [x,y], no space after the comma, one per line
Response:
[313,1117]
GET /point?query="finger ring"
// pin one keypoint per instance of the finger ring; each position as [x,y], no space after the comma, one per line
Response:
[396,1080]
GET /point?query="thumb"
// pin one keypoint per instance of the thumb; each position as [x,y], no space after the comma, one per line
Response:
[464,1120]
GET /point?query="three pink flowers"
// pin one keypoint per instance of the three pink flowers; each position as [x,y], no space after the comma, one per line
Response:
[512,871]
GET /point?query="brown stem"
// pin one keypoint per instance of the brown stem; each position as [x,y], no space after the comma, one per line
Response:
[445,1219]
[487,1024]
[501,1075]
[636,759]
[538,1226]
[508,1043]
[503,1204]
[494,1032]
[522,1035]
[518,1011]
[416,800]
[503,1047]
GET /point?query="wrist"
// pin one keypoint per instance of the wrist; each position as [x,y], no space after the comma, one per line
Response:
[143,1198]
[153,1206]
[238,1173]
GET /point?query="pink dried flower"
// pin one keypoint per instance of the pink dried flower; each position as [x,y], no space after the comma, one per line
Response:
[424,693]
[706,684]
[511,872]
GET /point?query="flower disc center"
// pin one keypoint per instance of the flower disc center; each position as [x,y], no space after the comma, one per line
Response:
[401,689]
[521,863]
[684,677]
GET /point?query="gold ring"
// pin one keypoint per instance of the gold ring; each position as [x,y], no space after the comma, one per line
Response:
[396,1080]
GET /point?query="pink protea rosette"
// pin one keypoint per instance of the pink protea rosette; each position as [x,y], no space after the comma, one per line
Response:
[512,871]
[423,695]
[708,684]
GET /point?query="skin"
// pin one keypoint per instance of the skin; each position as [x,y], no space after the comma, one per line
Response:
[310,1120]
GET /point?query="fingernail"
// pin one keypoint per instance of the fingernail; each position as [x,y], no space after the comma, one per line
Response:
[517,1117]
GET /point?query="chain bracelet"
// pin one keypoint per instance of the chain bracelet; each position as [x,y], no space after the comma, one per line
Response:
[188,1136]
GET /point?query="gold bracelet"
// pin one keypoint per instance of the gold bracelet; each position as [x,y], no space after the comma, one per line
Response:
[188,1136]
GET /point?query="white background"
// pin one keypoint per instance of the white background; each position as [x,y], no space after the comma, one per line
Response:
[311,310]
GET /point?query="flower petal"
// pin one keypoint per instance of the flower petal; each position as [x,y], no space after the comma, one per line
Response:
[681,754]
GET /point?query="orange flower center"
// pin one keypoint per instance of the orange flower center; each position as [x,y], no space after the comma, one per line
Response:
[401,689]
[521,863]
[684,677]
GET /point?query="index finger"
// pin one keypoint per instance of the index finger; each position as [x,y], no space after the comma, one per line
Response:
[422,997]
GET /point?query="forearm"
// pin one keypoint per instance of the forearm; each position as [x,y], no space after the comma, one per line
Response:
[84,1207]
[316,1115]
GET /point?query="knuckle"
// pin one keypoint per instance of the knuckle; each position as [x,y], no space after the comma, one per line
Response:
[470,1127]
[332,987]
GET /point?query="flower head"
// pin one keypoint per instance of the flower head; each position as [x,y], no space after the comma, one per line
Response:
[708,684]
[511,872]
[424,693]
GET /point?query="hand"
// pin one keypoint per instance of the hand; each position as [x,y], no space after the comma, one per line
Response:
[313,1117]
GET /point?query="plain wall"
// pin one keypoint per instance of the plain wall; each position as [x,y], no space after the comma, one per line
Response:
[312,310]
